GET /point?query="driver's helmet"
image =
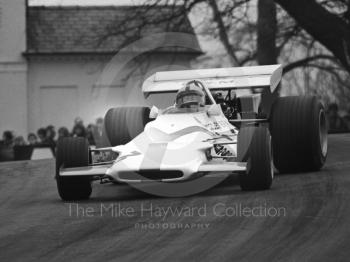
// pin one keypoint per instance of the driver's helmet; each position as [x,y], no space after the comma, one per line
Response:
[192,95]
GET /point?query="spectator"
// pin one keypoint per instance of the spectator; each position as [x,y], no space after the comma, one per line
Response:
[90,134]
[347,118]
[100,125]
[32,139]
[78,121]
[100,137]
[7,138]
[79,128]
[50,132]
[63,132]
[42,136]
[19,141]
[50,136]
[79,131]
[347,121]
[6,148]
[335,122]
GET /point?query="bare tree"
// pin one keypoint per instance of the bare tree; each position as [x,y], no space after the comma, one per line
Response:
[267,31]
[326,21]
[310,37]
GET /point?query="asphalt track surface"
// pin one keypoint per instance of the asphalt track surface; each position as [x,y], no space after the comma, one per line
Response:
[313,223]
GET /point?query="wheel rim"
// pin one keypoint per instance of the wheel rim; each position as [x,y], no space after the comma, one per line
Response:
[323,133]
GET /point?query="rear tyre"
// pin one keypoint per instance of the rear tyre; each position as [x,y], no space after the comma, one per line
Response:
[254,147]
[299,134]
[73,152]
[125,123]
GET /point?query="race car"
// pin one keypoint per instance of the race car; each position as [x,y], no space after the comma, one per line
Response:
[262,133]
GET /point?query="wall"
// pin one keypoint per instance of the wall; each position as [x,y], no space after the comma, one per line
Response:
[93,96]
[13,68]
[13,98]
[12,30]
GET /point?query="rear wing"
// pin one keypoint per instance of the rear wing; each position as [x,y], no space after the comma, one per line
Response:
[215,79]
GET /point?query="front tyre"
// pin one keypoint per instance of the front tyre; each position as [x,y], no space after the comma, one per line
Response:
[73,152]
[254,147]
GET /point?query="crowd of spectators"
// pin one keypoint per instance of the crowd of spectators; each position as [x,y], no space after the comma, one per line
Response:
[48,136]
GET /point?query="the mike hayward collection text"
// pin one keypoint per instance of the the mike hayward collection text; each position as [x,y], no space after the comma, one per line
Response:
[220,209]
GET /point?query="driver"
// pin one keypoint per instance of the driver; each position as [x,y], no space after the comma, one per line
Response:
[191,96]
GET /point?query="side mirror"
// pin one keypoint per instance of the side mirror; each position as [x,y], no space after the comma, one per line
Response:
[215,110]
[154,112]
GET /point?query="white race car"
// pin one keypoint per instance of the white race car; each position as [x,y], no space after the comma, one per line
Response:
[249,135]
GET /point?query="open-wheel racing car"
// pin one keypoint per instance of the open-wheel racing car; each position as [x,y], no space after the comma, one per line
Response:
[251,135]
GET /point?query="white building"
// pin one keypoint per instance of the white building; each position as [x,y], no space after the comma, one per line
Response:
[51,60]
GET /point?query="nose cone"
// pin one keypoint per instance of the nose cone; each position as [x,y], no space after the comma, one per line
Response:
[180,155]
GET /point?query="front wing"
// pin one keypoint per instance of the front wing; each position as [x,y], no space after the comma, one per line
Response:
[103,170]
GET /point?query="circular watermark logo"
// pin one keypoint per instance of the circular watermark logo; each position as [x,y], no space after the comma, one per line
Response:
[187,152]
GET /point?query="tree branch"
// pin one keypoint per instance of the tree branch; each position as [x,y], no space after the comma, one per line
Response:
[305,61]
[222,32]
[325,27]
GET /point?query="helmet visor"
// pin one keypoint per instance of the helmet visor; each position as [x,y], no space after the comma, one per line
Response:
[187,99]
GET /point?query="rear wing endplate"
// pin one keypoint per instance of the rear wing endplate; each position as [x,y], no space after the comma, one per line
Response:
[215,79]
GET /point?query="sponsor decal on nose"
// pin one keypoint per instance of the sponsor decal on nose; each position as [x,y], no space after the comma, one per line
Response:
[154,156]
